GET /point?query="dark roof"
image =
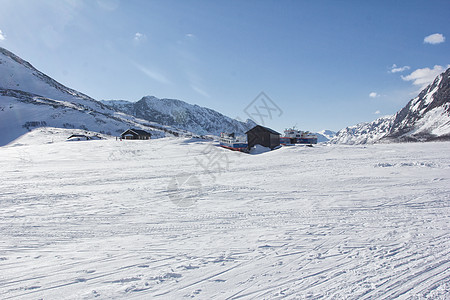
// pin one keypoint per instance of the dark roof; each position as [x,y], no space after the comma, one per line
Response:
[138,131]
[266,129]
[78,135]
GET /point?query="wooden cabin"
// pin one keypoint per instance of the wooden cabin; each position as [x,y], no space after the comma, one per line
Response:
[260,135]
[135,134]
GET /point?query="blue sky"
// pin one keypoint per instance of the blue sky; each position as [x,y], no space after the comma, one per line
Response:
[323,64]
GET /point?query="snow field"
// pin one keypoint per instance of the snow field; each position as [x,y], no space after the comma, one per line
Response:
[175,218]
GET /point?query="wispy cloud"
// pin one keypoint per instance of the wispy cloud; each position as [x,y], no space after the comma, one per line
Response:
[435,38]
[157,76]
[397,69]
[189,62]
[186,39]
[2,36]
[374,95]
[423,77]
[200,91]
[377,112]
[108,5]
[139,37]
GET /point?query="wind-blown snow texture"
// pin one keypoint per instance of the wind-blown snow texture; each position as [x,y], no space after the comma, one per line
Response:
[179,114]
[424,118]
[156,219]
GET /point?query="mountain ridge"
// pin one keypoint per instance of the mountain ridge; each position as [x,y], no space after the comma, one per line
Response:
[29,99]
[424,118]
[180,114]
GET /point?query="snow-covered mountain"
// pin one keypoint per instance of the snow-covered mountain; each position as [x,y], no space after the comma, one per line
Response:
[325,135]
[30,99]
[363,133]
[424,118]
[181,115]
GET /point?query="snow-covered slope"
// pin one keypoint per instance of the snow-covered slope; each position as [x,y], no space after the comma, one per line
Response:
[363,133]
[184,219]
[51,135]
[424,118]
[182,115]
[325,135]
[30,99]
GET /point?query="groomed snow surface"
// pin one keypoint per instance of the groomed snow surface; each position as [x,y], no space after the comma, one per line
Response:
[177,218]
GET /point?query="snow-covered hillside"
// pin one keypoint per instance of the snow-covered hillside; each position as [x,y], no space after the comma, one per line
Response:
[162,219]
[30,99]
[370,132]
[50,135]
[424,118]
[182,115]
[325,135]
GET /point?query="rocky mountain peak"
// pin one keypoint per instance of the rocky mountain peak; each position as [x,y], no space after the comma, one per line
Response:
[424,118]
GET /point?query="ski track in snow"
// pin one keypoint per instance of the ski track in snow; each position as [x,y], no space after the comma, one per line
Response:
[100,219]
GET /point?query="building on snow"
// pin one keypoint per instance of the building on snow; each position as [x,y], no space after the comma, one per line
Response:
[79,137]
[135,134]
[260,135]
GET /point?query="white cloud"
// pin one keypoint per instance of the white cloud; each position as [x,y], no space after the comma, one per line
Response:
[138,37]
[396,69]
[435,38]
[189,35]
[373,95]
[377,112]
[423,77]
[2,36]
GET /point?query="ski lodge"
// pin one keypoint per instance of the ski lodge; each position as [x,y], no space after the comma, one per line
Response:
[135,134]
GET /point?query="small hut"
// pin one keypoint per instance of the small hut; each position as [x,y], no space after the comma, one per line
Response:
[135,134]
[260,135]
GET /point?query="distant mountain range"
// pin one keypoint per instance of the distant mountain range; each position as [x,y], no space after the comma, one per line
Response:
[31,99]
[424,118]
[181,115]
